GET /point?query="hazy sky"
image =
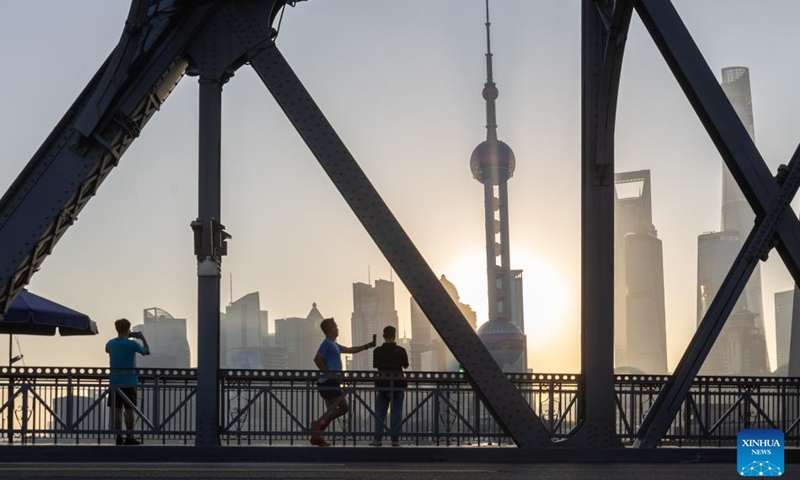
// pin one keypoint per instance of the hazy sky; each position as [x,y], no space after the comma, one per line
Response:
[401,83]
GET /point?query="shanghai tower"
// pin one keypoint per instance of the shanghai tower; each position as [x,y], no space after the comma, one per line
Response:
[492,164]
[736,213]
[740,348]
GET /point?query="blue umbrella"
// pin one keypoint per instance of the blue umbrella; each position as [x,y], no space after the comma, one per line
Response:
[31,314]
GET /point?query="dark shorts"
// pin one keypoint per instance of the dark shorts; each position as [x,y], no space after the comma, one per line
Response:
[119,402]
[329,389]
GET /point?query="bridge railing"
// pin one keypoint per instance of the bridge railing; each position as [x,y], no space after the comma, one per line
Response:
[265,407]
[439,409]
[44,405]
[715,409]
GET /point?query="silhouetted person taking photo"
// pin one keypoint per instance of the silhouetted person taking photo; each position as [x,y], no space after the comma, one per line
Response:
[389,357]
[123,380]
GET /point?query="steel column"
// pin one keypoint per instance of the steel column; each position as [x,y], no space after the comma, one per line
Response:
[208,267]
[604,29]
[597,246]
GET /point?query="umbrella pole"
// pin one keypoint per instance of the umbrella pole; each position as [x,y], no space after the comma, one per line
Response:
[10,344]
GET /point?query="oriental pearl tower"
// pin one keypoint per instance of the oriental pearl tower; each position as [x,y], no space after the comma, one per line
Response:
[492,164]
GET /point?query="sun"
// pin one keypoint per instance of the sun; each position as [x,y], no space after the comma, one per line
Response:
[545,291]
[551,314]
[545,296]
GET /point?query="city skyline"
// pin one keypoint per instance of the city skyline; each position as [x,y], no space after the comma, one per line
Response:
[407,107]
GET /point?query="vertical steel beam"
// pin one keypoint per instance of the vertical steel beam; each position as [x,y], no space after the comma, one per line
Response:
[208,268]
[216,54]
[604,30]
[515,416]
[597,244]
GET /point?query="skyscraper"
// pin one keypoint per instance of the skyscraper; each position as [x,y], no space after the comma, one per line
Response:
[166,336]
[245,328]
[298,338]
[736,213]
[740,348]
[428,351]
[518,318]
[373,309]
[716,252]
[640,337]
[787,332]
[492,164]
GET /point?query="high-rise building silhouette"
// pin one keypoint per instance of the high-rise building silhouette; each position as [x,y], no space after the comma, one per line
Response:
[373,309]
[298,338]
[518,318]
[243,333]
[428,351]
[640,336]
[276,356]
[740,348]
[492,164]
[742,354]
[736,213]
[166,336]
[787,332]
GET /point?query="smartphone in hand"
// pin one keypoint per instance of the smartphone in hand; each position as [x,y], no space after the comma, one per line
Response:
[374,340]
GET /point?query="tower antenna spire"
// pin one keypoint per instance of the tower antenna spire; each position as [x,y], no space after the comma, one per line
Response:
[490,91]
[492,164]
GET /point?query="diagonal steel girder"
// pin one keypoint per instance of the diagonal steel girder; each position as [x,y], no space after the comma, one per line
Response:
[503,400]
[117,70]
[776,226]
[67,170]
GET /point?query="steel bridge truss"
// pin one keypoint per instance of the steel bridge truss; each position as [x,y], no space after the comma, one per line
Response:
[165,40]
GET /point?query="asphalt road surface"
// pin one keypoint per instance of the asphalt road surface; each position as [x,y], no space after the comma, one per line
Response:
[375,471]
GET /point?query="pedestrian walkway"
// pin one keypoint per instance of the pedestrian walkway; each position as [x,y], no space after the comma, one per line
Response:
[371,471]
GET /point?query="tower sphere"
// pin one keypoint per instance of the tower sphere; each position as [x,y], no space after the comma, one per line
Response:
[492,162]
[504,340]
[490,92]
